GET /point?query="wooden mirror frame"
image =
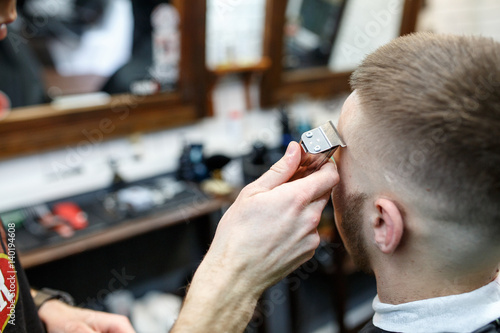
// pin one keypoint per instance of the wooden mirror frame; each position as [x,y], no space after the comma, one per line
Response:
[39,128]
[279,86]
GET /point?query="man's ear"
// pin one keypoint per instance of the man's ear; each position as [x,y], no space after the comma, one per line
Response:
[388,225]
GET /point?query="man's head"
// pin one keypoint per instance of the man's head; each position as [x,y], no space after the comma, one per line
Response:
[8,14]
[423,158]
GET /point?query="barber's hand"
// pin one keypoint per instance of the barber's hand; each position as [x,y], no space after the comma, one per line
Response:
[59,317]
[271,229]
[267,233]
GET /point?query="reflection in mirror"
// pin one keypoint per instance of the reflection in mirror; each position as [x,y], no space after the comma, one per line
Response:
[58,48]
[362,26]
[234,31]
[367,25]
[310,30]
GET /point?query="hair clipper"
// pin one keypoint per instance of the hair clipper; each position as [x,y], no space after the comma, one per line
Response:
[318,146]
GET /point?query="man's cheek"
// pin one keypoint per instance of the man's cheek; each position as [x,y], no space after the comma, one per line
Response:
[337,211]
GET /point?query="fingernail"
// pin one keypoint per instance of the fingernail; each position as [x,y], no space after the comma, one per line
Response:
[291,149]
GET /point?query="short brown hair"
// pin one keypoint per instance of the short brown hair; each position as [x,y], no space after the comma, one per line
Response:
[435,101]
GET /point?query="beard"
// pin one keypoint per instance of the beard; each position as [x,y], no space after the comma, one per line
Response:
[349,221]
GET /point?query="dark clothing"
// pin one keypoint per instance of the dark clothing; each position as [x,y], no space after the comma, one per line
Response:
[493,327]
[136,68]
[18,312]
[20,72]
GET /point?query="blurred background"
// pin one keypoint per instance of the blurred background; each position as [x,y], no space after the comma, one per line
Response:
[128,127]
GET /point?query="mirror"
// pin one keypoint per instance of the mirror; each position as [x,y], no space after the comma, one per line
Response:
[309,33]
[153,106]
[68,47]
[318,43]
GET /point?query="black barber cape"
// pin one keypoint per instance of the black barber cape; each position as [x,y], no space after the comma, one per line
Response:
[493,327]
[17,310]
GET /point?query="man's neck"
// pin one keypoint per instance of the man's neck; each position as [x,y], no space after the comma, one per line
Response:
[397,287]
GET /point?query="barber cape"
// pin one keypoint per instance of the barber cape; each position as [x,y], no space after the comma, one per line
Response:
[477,311]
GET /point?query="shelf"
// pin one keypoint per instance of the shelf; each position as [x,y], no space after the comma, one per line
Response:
[262,65]
[247,72]
[122,231]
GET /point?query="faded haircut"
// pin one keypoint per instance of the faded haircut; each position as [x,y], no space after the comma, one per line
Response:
[433,104]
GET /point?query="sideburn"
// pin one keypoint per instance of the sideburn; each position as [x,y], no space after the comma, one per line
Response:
[349,207]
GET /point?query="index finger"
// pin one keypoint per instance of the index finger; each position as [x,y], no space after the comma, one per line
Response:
[318,183]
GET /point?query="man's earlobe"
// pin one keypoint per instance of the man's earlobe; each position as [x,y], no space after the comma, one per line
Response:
[388,226]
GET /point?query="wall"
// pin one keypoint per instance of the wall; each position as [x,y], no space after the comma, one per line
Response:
[462,17]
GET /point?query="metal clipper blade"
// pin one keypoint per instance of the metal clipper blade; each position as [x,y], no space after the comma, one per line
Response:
[318,145]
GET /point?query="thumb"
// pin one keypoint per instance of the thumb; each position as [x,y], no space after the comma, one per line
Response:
[282,170]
